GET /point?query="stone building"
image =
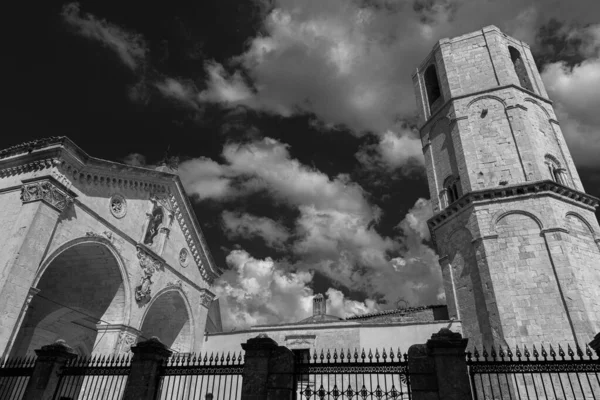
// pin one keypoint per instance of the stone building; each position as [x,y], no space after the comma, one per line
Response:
[395,329]
[98,254]
[515,231]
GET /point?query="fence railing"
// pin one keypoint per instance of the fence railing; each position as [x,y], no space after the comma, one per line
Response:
[97,378]
[350,375]
[543,374]
[198,376]
[14,376]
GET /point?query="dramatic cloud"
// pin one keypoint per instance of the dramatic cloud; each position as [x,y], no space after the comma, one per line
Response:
[131,48]
[256,292]
[574,90]
[248,226]
[334,233]
[203,178]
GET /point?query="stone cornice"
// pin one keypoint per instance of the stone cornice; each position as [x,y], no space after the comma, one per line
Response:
[514,191]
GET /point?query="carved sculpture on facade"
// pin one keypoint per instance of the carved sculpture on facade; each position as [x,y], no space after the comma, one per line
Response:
[46,191]
[149,267]
[206,298]
[156,219]
[125,341]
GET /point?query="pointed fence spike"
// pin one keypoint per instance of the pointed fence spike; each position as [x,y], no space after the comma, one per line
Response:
[588,351]
[377,354]
[493,353]
[518,353]
[485,354]
[476,353]
[535,353]
[552,353]
[335,356]
[328,356]
[501,352]
[526,352]
[342,355]
[384,355]
[399,354]
[570,352]
[363,355]
[561,352]
[391,354]
[579,352]
[509,353]
[355,354]
[370,355]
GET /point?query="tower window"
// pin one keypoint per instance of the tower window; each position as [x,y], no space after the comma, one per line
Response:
[432,85]
[520,68]
[556,173]
[450,192]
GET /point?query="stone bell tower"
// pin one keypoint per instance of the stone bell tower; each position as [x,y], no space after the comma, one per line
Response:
[516,233]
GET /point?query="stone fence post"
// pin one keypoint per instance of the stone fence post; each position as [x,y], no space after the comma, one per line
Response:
[45,376]
[268,370]
[148,356]
[595,344]
[438,369]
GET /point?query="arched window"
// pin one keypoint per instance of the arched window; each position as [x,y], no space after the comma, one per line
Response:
[520,68]
[450,193]
[432,85]
[556,173]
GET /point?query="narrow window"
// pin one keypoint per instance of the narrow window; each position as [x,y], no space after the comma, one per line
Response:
[520,68]
[556,173]
[450,192]
[432,85]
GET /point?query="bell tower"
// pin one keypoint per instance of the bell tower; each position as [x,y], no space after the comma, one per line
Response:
[516,233]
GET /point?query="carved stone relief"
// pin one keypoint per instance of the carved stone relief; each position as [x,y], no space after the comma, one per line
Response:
[206,298]
[125,341]
[47,191]
[118,206]
[184,258]
[149,266]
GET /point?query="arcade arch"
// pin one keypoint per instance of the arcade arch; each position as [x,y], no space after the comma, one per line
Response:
[168,318]
[80,287]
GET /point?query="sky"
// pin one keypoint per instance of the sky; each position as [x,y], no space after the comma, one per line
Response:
[294,123]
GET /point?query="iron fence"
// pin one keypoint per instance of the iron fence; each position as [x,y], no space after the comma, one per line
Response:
[195,377]
[14,377]
[347,375]
[534,374]
[97,378]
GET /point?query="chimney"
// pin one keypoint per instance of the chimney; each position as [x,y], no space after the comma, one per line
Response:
[319,305]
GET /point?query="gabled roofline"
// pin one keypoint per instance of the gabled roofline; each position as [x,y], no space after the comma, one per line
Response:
[54,147]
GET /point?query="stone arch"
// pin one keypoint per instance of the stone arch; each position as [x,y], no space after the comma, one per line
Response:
[537,103]
[169,305]
[486,96]
[82,284]
[582,220]
[497,218]
[432,85]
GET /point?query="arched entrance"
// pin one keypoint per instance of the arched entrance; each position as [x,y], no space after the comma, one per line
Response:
[168,319]
[80,287]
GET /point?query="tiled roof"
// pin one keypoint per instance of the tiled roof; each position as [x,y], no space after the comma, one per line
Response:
[408,310]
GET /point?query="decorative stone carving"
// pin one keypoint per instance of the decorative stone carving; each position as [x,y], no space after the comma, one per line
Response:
[206,298]
[149,266]
[118,206]
[176,284]
[46,191]
[125,341]
[156,219]
[184,258]
[103,235]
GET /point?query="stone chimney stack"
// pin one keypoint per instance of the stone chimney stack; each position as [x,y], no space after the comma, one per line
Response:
[319,307]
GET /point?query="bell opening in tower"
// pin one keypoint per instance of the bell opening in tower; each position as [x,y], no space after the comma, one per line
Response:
[520,69]
[432,86]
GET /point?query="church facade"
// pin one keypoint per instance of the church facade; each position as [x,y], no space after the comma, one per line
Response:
[516,233]
[99,254]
